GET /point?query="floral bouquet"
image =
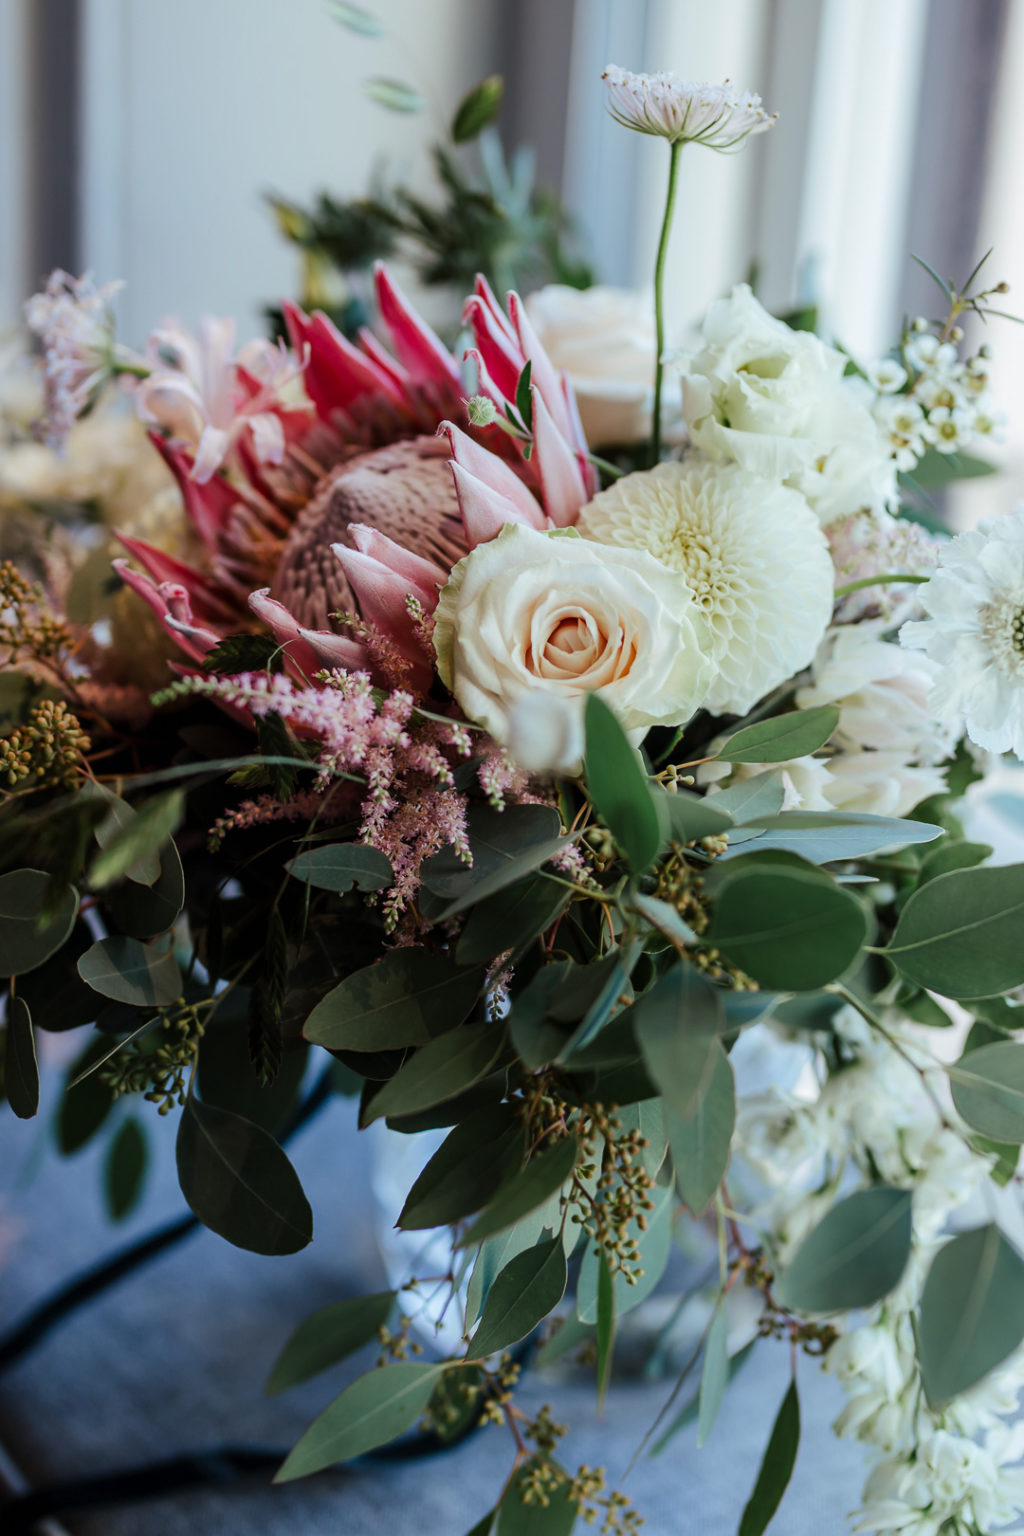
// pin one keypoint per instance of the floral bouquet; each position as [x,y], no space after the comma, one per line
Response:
[528,790]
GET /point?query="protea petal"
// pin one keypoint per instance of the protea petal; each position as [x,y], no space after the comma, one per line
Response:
[561,483]
[378,546]
[207,505]
[373,349]
[500,353]
[484,291]
[336,650]
[493,472]
[298,652]
[169,602]
[337,373]
[382,593]
[484,511]
[204,596]
[419,348]
[542,374]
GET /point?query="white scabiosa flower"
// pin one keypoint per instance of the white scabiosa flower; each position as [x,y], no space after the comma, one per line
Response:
[975,633]
[683,111]
[751,552]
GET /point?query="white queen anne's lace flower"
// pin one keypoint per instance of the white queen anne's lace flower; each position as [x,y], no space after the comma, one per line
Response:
[684,112]
[750,550]
[73,320]
[975,632]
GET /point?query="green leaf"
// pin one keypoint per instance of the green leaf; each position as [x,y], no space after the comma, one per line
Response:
[700,1140]
[542,1177]
[618,787]
[404,999]
[131,972]
[972,1311]
[782,737]
[483,1527]
[677,1024]
[393,94]
[529,1287]
[714,1375]
[327,1336]
[776,1468]
[356,18]
[854,1256]
[826,837]
[510,919]
[988,1090]
[478,108]
[439,1070]
[143,911]
[790,930]
[605,1328]
[142,866]
[960,934]
[935,470]
[468,1167]
[342,866]
[953,853]
[134,849]
[654,1244]
[32,925]
[83,1108]
[752,799]
[374,1410]
[506,846]
[595,990]
[690,817]
[663,917]
[495,1252]
[691,1411]
[555,1518]
[239,1182]
[524,398]
[21,1069]
[125,1169]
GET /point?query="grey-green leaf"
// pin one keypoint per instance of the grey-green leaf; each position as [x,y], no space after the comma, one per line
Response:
[529,1287]
[823,838]
[340,866]
[960,934]
[776,1468]
[619,788]
[542,1177]
[130,972]
[700,1140]
[357,19]
[468,1167]
[510,919]
[988,1090]
[327,1336]
[439,1070]
[374,1410]
[28,937]
[21,1069]
[478,108]
[401,1000]
[133,850]
[972,1311]
[393,94]
[239,1182]
[782,737]
[791,931]
[854,1256]
[555,1518]
[751,799]
[125,1169]
[689,817]
[714,1375]
[678,1023]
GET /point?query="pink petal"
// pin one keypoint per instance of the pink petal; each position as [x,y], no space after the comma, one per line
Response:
[493,472]
[484,511]
[501,356]
[214,445]
[560,480]
[484,291]
[337,372]
[203,595]
[422,573]
[194,642]
[337,651]
[373,349]
[418,347]
[286,630]
[207,505]
[382,593]
[542,374]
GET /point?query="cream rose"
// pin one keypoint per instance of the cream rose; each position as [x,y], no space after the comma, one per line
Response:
[604,340]
[534,615]
[777,402]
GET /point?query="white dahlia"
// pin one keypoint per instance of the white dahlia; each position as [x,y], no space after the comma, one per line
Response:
[975,632]
[751,551]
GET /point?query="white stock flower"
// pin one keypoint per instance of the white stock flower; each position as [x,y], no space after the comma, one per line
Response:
[531,613]
[750,551]
[776,401]
[682,111]
[975,633]
[604,340]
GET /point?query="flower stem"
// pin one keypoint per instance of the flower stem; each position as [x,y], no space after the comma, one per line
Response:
[659,298]
[878,581]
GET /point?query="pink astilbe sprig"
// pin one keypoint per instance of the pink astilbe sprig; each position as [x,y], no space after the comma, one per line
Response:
[265,808]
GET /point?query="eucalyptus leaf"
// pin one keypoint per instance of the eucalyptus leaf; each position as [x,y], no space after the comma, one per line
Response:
[143,911]
[239,1182]
[751,799]
[479,107]
[356,18]
[960,934]
[134,850]
[782,737]
[824,837]
[142,862]
[466,1170]
[555,1518]
[953,853]
[32,925]
[972,1311]
[690,817]
[988,1090]
[678,1024]
[654,1243]
[542,1177]
[125,1169]
[664,918]
[619,789]
[395,95]
[131,972]
[404,999]
[374,1410]
[854,1256]
[510,919]
[327,1336]
[714,1375]
[342,866]
[496,838]
[776,1468]
[21,1069]
[495,1252]
[700,1139]
[529,1287]
[605,1335]
[440,1069]
[84,1108]
[787,929]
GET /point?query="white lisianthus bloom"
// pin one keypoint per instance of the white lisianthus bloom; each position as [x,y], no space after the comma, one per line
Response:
[975,633]
[684,112]
[533,613]
[751,553]
[776,401]
[604,340]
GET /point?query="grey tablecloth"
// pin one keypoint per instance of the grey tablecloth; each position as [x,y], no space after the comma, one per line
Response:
[176,1359]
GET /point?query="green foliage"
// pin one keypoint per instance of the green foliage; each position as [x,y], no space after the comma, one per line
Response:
[374,1410]
[700,1137]
[855,1255]
[654,1244]
[477,108]
[85,1106]
[526,1191]
[825,837]
[328,1336]
[356,18]
[21,1069]
[605,1336]
[468,1167]
[752,800]
[124,1171]
[678,1023]
[342,867]
[130,972]
[618,787]
[776,1468]
[529,1287]
[523,1513]
[35,919]
[689,817]
[782,737]
[133,849]
[439,1070]
[510,919]
[789,929]
[244,653]
[506,845]
[988,1090]
[714,1377]
[959,934]
[952,853]
[239,1183]
[972,1311]
[143,911]
[403,1000]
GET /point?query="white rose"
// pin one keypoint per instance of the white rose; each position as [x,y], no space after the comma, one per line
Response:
[604,340]
[532,613]
[776,401]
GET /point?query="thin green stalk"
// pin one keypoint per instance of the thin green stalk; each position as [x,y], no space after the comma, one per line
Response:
[879,581]
[659,298]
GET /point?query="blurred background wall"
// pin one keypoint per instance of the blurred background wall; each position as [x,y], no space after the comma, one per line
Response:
[137,139]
